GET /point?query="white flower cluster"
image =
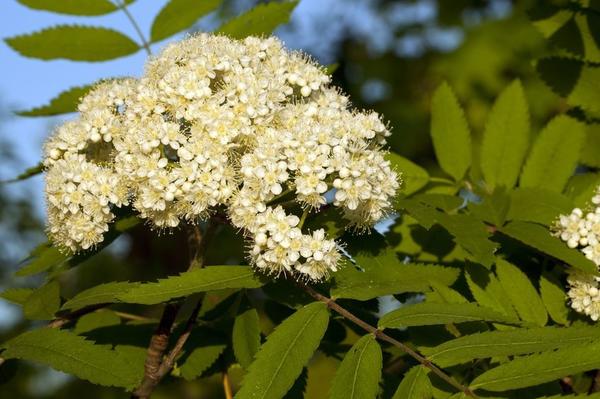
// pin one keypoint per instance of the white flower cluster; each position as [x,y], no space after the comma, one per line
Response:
[582,230]
[215,124]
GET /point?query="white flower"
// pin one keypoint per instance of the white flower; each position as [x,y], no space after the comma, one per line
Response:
[219,124]
[582,231]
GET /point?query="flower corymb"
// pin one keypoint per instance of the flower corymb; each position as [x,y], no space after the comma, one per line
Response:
[215,124]
[581,230]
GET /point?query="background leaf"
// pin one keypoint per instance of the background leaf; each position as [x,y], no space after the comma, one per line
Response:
[521,292]
[260,20]
[554,155]
[554,299]
[178,15]
[281,359]
[450,133]
[246,337]
[358,375]
[77,43]
[538,205]
[506,138]
[413,176]
[103,293]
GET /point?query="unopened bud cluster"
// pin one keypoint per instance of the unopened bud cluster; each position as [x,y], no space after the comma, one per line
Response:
[214,123]
[581,230]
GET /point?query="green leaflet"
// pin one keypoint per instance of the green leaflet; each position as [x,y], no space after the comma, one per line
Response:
[426,314]
[541,239]
[521,292]
[414,385]
[29,172]
[358,375]
[103,293]
[42,258]
[538,205]
[280,360]
[200,280]
[16,295]
[494,208]
[385,275]
[413,176]
[299,388]
[590,152]
[581,188]
[43,303]
[468,232]
[246,337]
[73,7]
[537,369]
[178,15]
[94,320]
[554,155]
[508,343]
[450,133]
[573,79]
[506,138]
[65,102]
[72,354]
[72,42]
[554,299]
[260,20]
[487,290]
[200,359]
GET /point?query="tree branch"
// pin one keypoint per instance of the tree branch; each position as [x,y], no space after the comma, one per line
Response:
[384,337]
[158,364]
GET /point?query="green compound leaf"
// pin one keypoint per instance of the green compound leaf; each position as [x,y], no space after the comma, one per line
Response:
[538,205]
[259,21]
[427,314]
[522,293]
[178,15]
[72,354]
[415,385]
[413,176]
[103,293]
[554,298]
[200,280]
[77,43]
[280,360]
[540,238]
[581,188]
[246,337]
[358,375]
[509,343]
[506,138]
[554,155]
[43,303]
[64,103]
[450,133]
[537,369]
[73,7]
